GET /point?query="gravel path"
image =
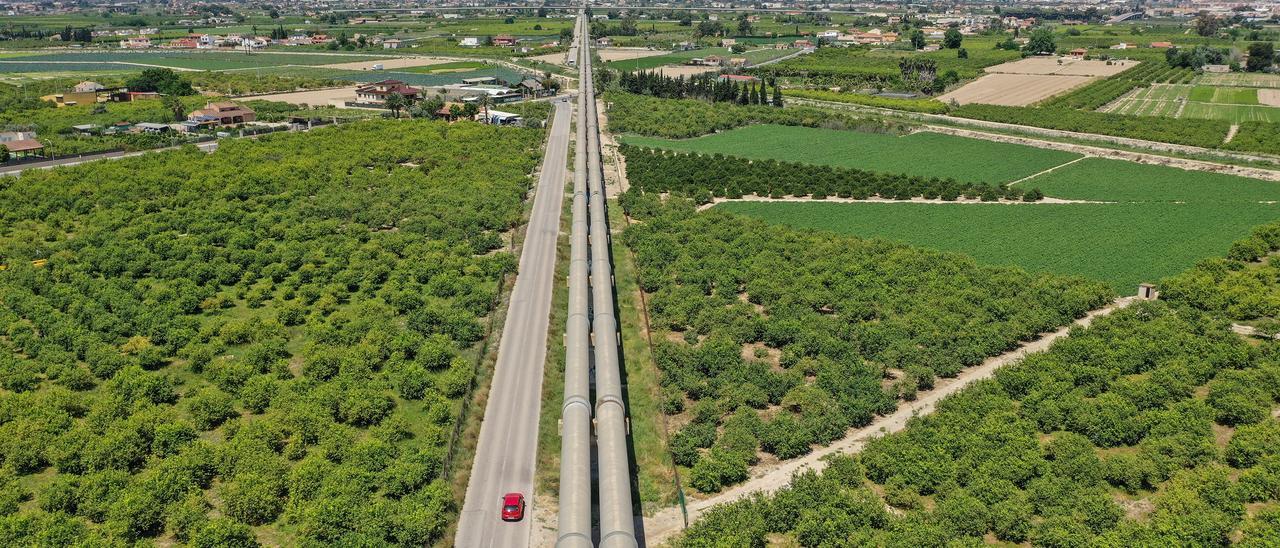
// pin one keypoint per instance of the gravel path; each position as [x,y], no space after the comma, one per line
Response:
[668,523]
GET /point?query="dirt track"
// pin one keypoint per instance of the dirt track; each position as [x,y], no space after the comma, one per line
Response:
[667,523]
[319,97]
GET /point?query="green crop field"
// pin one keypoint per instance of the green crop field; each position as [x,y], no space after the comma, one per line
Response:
[1233,104]
[1120,181]
[925,154]
[1123,244]
[1233,96]
[1163,220]
[1232,113]
[456,66]
[217,60]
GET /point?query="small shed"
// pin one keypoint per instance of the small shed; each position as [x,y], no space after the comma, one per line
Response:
[24,148]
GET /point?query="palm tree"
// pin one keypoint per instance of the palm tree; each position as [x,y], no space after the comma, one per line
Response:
[484,102]
[394,103]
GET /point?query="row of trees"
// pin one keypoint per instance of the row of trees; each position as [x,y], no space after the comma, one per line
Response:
[715,176]
[711,87]
[239,339]
[808,326]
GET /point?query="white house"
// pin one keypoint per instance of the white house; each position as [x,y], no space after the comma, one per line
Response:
[469,42]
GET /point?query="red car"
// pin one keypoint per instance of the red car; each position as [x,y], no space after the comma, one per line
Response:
[512,507]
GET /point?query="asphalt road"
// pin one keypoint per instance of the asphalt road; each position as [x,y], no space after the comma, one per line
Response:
[505,456]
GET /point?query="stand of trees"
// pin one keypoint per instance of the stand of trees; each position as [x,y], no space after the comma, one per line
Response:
[710,87]
[1160,402]
[275,333]
[777,339]
[715,176]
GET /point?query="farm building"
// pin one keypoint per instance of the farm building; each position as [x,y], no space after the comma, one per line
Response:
[377,92]
[24,148]
[534,88]
[222,114]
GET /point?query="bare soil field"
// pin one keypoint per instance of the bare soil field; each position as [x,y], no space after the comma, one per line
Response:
[1269,97]
[320,97]
[607,54]
[686,71]
[1014,90]
[623,54]
[1064,66]
[389,63]
[553,58]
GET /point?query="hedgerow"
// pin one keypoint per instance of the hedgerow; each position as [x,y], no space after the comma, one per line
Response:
[703,177]
[822,321]
[276,334]
[931,106]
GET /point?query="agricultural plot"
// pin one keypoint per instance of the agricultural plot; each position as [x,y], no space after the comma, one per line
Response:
[443,67]
[1013,89]
[924,154]
[431,79]
[1156,100]
[270,342]
[408,64]
[782,337]
[36,67]
[1061,66]
[1225,95]
[1163,221]
[1240,79]
[1122,244]
[1232,113]
[215,60]
[682,57]
[1120,181]
[1232,104]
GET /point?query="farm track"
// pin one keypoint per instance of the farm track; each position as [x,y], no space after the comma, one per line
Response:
[1060,166]
[667,523]
[917,200]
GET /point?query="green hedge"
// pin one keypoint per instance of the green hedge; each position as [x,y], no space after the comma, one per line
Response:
[931,106]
